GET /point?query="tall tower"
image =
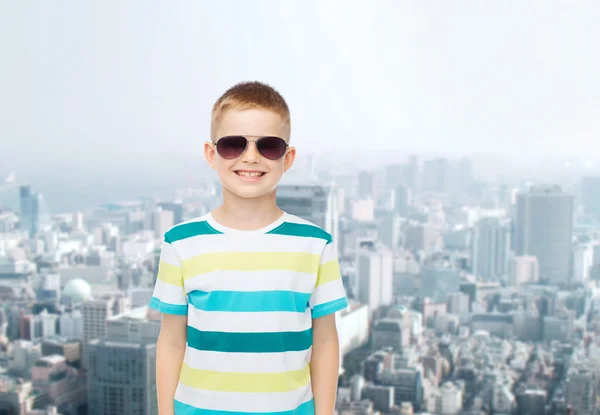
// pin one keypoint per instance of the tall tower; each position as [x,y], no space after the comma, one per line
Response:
[491,246]
[544,229]
[313,202]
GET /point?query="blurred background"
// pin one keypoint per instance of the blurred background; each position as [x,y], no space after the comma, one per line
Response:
[451,148]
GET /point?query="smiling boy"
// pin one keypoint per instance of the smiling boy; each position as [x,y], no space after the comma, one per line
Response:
[248,292]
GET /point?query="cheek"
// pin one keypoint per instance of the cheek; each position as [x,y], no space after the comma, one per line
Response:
[223,167]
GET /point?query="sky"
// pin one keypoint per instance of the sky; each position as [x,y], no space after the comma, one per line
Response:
[105,87]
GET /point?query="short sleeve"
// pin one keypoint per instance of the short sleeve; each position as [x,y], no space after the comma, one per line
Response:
[169,294]
[329,295]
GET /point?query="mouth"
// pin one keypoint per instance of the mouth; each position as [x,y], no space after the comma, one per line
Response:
[250,176]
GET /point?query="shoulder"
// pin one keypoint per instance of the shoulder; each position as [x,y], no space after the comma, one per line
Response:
[297,226]
[190,228]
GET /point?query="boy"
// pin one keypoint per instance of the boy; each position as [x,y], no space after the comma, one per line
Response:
[248,292]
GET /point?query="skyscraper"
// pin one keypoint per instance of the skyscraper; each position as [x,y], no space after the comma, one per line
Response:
[312,202]
[374,273]
[438,175]
[590,192]
[491,244]
[402,199]
[33,211]
[121,366]
[544,228]
[366,185]
[581,390]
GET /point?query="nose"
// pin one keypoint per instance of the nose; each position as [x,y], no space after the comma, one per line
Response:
[251,155]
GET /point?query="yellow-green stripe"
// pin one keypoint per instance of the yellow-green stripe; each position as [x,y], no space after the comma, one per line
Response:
[328,272]
[244,382]
[251,261]
[171,274]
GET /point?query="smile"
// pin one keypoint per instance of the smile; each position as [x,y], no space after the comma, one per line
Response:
[250,176]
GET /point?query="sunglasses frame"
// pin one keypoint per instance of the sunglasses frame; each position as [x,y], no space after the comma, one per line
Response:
[215,143]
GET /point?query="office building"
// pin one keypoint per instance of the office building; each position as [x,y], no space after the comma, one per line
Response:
[60,385]
[402,199]
[449,399]
[421,238]
[581,390]
[583,259]
[33,211]
[523,270]
[176,208]
[437,282]
[544,228]
[71,324]
[312,202]
[96,312]
[25,354]
[408,386]
[458,303]
[381,396]
[390,333]
[162,221]
[77,223]
[491,246]
[69,349]
[366,185]
[389,230]
[590,192]
[374,277]
[531,402]
[559,327]
[121,366]
[439,175]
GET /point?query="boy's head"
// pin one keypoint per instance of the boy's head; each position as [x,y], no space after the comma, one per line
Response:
[250,135]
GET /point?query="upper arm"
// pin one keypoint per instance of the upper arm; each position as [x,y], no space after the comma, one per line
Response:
[329,295]
[324,328]
[169,295]
[173,329]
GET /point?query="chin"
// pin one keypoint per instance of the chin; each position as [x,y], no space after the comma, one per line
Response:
[249,192]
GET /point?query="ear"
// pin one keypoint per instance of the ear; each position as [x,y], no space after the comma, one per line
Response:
[289,158]
[210,153]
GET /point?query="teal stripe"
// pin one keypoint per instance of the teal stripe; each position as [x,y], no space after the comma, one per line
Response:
[329,307]
[302,230]
[249,301]
[307,408]
[167,308]
[188,230]
[272,342]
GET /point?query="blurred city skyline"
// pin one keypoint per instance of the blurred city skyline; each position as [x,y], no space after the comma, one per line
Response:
[98,86]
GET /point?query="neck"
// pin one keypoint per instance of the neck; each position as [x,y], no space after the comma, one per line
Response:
[247,214]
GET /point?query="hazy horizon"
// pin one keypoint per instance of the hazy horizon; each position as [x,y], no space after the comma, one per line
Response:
[117,95]
[101,83]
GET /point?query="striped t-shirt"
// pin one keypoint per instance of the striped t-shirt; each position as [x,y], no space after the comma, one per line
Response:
[250,297]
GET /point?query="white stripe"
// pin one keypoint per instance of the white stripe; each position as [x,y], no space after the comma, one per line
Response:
[328,254]
[169,293]
[207,244]
[243,402]
[252,281]
[248,322]
[247,362]
[168,254]
[327,292]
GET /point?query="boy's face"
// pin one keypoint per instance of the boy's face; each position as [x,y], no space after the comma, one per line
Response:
[236,174]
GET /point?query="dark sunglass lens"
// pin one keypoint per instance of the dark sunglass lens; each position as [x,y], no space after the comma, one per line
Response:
[231,147]
[272,148]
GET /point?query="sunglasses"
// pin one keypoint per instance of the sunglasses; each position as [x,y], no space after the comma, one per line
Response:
[230,147]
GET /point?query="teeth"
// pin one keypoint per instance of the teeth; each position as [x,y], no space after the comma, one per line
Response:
[249,174]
